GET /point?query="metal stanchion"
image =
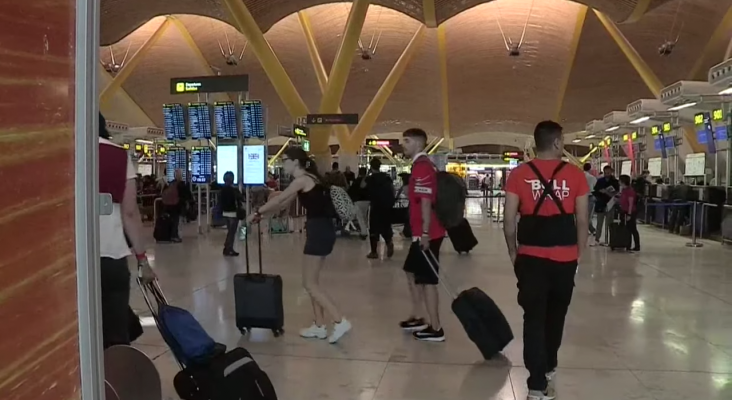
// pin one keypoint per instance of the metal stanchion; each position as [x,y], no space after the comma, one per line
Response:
[208,208]
[198,220]
[693,242]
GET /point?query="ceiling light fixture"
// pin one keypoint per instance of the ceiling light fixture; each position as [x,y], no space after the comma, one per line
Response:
[590,137]
[726,91]
[612,128]
[576,140]
[682,106]
[640,120]
[143,141]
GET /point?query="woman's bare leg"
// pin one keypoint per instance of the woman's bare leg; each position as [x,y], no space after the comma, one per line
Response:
[311,281]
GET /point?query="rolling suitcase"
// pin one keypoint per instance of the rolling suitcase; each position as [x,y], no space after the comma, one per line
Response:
[462,237]
[232,375]
[618,234]
[258,296]
[481,318]
[163,231]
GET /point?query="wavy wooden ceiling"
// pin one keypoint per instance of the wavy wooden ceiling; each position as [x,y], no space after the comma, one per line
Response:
[488,90]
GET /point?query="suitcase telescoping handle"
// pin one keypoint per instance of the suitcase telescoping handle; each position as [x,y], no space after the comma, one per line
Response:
[431,260]
[153,290]
[259,245]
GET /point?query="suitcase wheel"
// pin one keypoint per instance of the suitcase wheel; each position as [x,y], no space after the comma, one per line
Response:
[278,332]
[243,331]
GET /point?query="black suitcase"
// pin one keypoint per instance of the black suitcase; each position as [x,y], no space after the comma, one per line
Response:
[481,318]
[258,296]
[618,234]
[232,375]
[163,231]
[462,237]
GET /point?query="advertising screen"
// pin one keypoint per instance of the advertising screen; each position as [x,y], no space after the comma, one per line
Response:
[174,123]
[199,116]
[255,165]
[226,160]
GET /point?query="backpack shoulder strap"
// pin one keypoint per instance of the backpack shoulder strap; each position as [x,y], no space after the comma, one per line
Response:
[548,187]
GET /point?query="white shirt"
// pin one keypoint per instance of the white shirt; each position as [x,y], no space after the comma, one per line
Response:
[591,181]
[112,242]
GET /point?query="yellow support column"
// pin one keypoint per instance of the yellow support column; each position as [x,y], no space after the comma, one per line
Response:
[649,78]
[245,23]
[342,132]
[369,117]
[430,16]
[573,45]
[716,41]
[442,50]
[131,64]
[572,159]
[641,8]
[339,72]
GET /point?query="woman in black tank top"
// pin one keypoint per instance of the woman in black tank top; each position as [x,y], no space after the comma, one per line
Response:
[320,238]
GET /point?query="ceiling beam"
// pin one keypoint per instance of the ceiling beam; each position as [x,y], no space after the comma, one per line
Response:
[442,49]
[342,131]
[188,38]
[288,94]
[108,109]
[641,8]
[573,45]
[652,81]
[428,11]
[338,77]
[371,115]
[124,73]
[720,35]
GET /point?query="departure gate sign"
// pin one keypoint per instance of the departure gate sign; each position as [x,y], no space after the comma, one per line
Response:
[332,119]
[382,142]
[210,84]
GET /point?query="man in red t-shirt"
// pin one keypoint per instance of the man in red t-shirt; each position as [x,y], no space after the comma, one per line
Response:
[422,218]
[551,198]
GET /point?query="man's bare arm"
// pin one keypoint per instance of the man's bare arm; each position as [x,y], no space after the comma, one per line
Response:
[510,212]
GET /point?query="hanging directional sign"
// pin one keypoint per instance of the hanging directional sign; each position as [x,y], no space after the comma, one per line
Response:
[301,131]
[332,119]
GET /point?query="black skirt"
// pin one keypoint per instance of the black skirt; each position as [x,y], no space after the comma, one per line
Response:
[320,237]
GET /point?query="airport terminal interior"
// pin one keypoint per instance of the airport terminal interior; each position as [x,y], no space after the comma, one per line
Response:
[192,90]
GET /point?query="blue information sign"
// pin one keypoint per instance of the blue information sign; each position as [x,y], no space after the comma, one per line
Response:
[199,116]
[225,116]
[252,119]
[174,123]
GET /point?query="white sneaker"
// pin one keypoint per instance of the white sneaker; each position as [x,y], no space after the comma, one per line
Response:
[548,394]
[339,329]
[551,379]
[314,332]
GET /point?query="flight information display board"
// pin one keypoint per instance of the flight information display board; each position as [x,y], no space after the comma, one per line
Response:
[199,117]
[225,116]
[174,121]
[252,119]
[201,158]
[177,160]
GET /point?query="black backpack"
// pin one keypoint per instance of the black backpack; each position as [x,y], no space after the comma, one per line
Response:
[450,203]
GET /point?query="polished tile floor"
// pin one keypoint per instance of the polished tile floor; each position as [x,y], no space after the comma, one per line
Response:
[650,326]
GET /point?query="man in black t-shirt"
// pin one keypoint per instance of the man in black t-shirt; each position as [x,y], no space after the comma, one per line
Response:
[606,188]
[380,189]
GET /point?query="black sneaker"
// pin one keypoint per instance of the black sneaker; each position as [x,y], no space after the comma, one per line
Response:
[429,334]
[413,324]
[231,253]
[372,256]
[389,250]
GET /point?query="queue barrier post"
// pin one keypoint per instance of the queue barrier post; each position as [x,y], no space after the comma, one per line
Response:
[693,243]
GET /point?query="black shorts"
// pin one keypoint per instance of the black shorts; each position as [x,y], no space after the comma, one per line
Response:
[115,280]
[417,265]
[320,237]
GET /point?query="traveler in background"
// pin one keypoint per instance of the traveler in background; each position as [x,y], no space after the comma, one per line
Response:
[360,199]
[605,189]
[404,193]
[176,197]
[320,238]
[428,234]
[336,178]
[350,176]
[591,181]
[380,189]
[550,195]
[230,201]
[117,177]
[641,184]
[629,207]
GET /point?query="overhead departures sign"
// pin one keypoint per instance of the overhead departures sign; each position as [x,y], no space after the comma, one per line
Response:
[210,84]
